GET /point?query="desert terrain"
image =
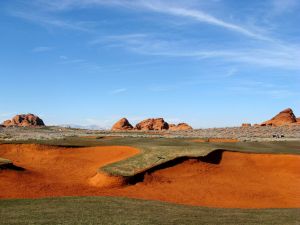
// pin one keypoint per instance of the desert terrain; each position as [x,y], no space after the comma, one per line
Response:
[220,179]
[242,168]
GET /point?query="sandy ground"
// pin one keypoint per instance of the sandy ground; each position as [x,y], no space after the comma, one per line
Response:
[54,171]
[216,140]
[239,180]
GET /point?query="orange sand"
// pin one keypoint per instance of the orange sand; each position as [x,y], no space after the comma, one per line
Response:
[239,180]
[216,140]
[55,171]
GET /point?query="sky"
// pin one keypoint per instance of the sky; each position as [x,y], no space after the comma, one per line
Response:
[210,63]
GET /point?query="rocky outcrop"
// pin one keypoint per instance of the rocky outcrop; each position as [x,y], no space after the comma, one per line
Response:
[285,117]
[179,127]
[6,123]
[24,120]
[152,124]
[122,124]
[246,125]
[156,124]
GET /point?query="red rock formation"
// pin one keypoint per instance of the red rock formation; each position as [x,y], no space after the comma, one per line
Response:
[285,117]
[24,120]
[246,125]
[122,124]
[153,124]
[180,126]
[6,123]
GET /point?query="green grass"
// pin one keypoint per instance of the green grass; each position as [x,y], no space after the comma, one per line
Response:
[115,211]
[155,151]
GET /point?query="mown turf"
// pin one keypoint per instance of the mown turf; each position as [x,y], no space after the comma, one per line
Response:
[114,211]
[155,151]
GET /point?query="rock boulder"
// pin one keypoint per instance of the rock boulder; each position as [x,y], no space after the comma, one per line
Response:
[24,120]
[179,127]
[285,117]
[152,124]
[122,124]
[246,125]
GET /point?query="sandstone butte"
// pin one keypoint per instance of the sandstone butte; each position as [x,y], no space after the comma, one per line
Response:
[285,117]
[246,125]
[24,120]
[179,127]
[122,124]
[152,124]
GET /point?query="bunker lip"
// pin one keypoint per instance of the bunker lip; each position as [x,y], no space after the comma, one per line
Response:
[214,157]
[225,179]
[222,178]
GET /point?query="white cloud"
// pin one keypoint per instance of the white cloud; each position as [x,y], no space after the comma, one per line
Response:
[272,54]
[231,72]
[46,20]
[121,37]
[200,16]
[173,8]
[118,91]
[42,49]
[283,6]
[267,52]
[264,89]
[72,61]
[63,57]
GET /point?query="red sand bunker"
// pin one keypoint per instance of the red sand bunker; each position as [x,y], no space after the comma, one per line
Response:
[239,180]
[55,171]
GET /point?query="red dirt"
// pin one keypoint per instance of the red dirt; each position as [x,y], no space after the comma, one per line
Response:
[240,180]
[55,171]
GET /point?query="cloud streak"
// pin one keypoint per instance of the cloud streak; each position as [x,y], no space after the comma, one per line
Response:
[267,52]
[271,55]
[118,91]
[42,49]
[283,6]
[46,20]
[161,7]
[202,17]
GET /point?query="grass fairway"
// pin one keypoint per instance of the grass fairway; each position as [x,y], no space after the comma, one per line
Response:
[113,210]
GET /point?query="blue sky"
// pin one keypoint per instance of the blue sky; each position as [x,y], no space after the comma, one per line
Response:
[211,63]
